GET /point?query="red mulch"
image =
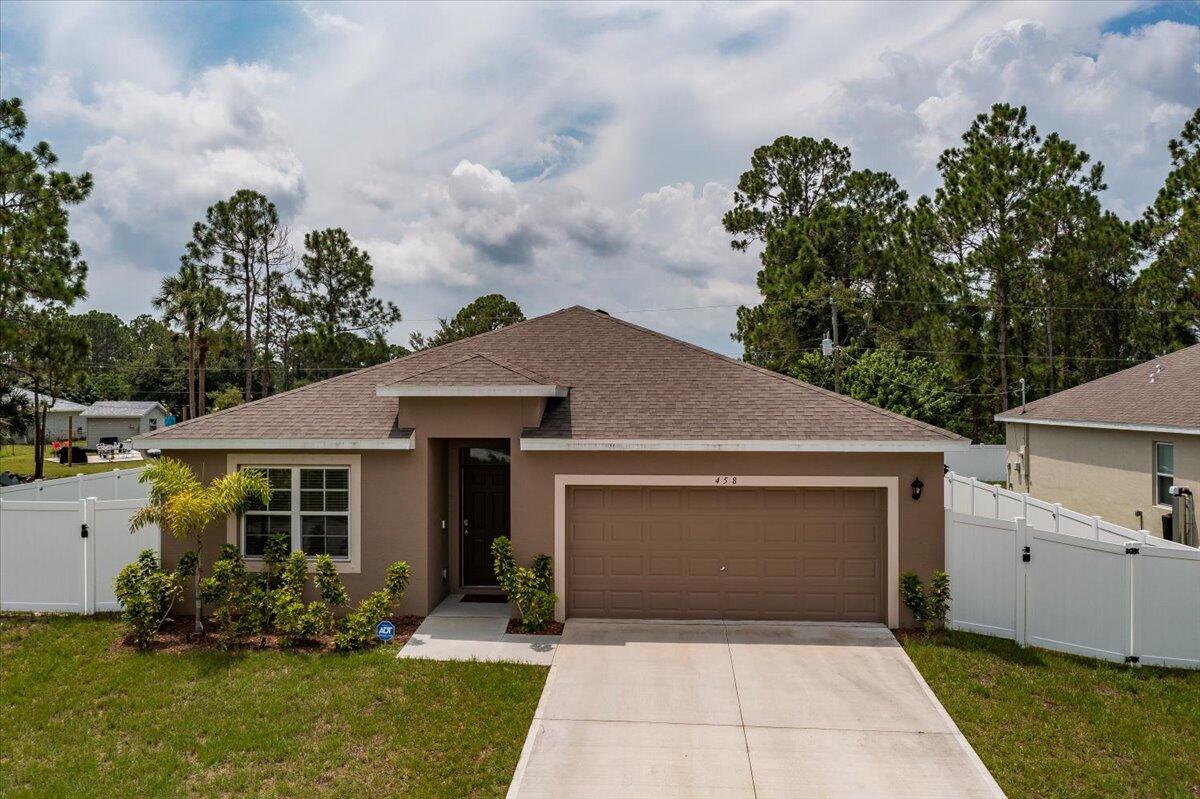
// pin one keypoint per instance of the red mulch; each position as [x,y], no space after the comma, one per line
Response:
[176,636]
[553,628]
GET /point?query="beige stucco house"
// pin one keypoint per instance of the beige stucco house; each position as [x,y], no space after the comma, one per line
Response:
[664,480]
[1113,447]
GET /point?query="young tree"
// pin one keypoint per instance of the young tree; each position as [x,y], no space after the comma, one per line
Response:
[184,508]
[229,244]
[482,315]
[50,358]
[194,305]
[39,263]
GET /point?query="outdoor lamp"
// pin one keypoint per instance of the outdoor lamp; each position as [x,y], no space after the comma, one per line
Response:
[917,485]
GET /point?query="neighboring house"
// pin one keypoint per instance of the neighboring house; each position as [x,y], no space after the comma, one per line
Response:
[665,481]
[122,419]
[1114,446]
[61,415]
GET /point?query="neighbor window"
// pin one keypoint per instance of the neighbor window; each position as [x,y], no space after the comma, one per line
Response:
[153,423]
[310,506]
[1164,472]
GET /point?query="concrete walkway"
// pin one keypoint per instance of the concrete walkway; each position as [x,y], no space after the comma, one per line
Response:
[653,709]
[458,630]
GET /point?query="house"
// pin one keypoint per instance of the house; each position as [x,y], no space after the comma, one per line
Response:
[61,415]
[665,481]
[122,419]
[1113,447]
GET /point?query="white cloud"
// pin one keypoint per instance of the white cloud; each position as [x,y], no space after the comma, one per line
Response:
[564,153]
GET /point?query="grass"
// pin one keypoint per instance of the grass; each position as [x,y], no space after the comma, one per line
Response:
[1053,725]
[18,458]
[82,719]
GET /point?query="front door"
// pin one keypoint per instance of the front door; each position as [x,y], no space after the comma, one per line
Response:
[484,511]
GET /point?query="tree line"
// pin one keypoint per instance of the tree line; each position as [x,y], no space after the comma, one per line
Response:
[1010,275]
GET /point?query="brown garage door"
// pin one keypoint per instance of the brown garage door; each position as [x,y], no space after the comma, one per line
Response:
[745,553]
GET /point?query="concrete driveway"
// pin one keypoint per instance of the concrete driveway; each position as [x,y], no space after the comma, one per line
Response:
[654,709]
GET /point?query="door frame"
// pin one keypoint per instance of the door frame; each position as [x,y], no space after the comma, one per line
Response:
[890,483]
[462,491]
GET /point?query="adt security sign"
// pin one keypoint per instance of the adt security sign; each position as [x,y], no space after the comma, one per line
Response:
[385,631]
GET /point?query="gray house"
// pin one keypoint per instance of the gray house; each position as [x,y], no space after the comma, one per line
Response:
[122,419]
[61,414]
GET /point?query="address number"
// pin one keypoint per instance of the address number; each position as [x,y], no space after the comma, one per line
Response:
[726,480]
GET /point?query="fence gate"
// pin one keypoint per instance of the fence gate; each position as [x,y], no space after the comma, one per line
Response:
[63,556]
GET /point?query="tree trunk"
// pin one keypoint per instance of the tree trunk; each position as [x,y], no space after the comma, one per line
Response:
[203,371]
[266,372]
[39,434]
[1001,319]
[191,373]
[198,629]
[248,349]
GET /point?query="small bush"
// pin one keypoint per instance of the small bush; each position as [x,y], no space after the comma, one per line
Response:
[146,594]
[243,606]
[357,629]
[329,582]
[929,607]
[293,621]
[530,589]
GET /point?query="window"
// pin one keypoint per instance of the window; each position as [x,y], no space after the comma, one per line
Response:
[1164,472]
[309,505]
[153,423]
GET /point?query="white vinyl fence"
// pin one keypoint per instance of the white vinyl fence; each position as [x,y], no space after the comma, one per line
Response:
[116,484]
[62,555]
[981,461]
[1133,600]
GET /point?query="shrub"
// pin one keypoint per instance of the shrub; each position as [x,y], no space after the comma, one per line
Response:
[242,603]
[929,607]
[329,582]
[356,630]
[146,594]
[294,621]
[530,589]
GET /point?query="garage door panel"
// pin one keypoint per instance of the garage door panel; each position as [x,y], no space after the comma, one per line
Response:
[794,553]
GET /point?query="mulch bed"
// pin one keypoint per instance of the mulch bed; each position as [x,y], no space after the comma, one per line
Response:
[176,636]
[553,628]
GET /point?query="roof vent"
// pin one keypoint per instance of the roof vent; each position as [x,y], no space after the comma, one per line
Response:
[601,310]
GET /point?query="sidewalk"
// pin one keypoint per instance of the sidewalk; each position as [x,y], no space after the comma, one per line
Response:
[458,630]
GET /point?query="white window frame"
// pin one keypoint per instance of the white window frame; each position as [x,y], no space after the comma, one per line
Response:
[353,462]
[1158,501]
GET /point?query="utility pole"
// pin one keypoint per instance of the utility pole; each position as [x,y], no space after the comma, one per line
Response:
[837,350]
[1022,395]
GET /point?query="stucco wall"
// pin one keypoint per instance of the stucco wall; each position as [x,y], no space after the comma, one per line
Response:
[406,494]
[1106,473]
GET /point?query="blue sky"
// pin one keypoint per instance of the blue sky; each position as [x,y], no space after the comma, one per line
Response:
[556,153]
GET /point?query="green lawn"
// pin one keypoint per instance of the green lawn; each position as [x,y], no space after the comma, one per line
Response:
[80,719]
[18,458]
[1051,725]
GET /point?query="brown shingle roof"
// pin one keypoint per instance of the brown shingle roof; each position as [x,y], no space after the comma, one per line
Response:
[1172,399]
[474,370]
[626,382]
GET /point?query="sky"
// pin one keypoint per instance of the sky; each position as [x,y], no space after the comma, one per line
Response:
[559,154]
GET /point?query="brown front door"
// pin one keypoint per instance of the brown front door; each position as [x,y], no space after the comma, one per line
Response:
[720,553]
[484,516]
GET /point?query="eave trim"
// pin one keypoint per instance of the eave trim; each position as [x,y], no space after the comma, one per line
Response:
[472,391]
[256,444]
[1142,428]
[732,445]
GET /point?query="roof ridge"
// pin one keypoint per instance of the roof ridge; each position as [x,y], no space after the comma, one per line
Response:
[785,378]
[364,370]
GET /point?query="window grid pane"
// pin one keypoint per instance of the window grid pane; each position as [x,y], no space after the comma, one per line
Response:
[1165,458]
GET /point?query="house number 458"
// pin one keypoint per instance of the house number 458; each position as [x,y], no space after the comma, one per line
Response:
[726,480]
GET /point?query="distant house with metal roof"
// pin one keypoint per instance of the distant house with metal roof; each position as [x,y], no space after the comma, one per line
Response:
[122,419]
[61,415]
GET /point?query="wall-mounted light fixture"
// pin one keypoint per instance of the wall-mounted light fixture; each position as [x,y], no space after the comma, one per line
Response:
[917,487]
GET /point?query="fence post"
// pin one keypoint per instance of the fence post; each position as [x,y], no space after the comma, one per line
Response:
[1132,565]
[1096,528]
[996,497]
[1025,505]
[87,508]
[1021,538]
[950,488]
[1058,517]
[950,547]
[79,486]
[973,487]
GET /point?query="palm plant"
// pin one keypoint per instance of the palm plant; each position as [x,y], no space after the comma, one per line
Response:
[183,507]
[191,302]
